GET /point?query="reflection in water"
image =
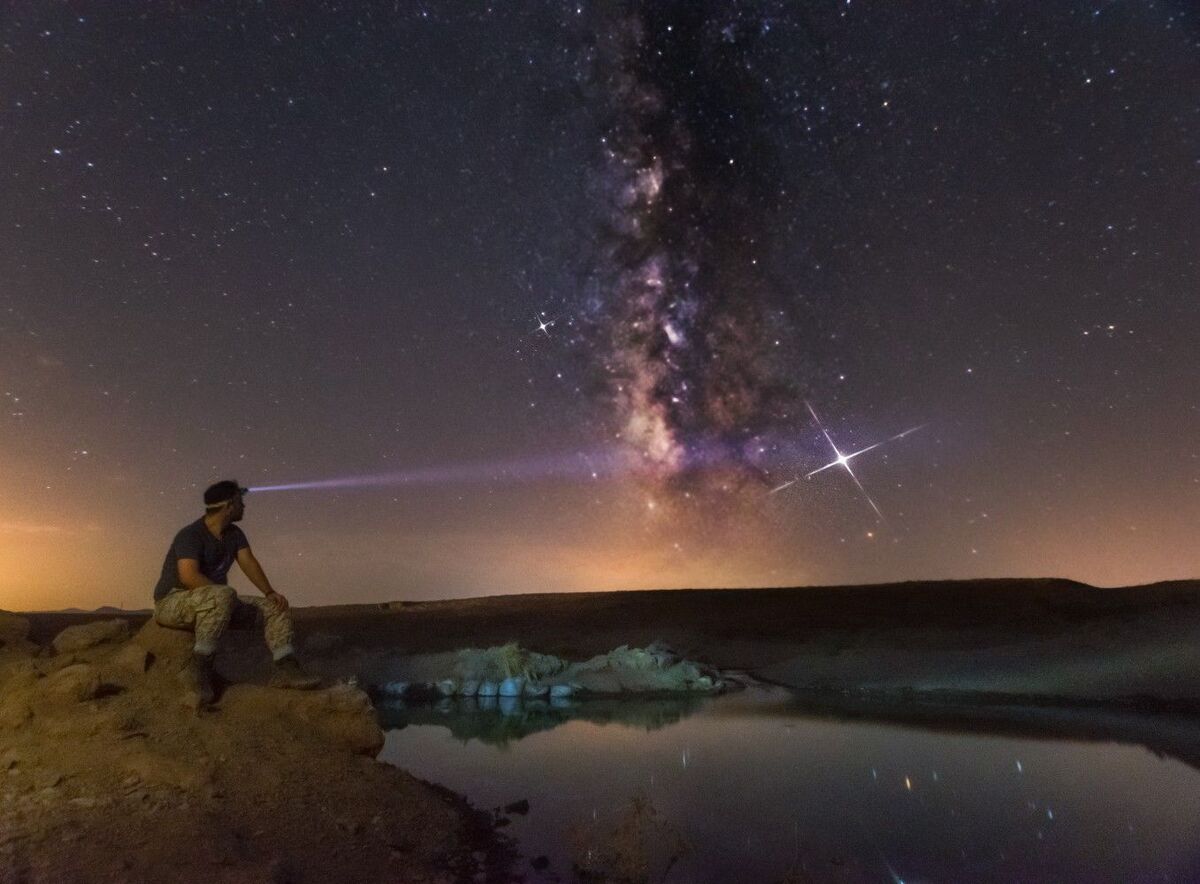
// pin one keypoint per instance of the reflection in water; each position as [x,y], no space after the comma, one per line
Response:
[497,721]
[763,790]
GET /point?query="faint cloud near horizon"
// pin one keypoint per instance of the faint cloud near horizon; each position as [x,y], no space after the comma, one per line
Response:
[31,528]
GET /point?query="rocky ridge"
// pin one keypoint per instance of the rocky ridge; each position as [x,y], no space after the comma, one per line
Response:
[106,776]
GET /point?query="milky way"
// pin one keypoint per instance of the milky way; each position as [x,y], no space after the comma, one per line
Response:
[319,241]
[685,328]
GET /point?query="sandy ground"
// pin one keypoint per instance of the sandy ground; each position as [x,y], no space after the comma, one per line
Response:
[1044,658]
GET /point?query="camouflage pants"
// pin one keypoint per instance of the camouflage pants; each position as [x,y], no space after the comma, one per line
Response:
[210,610]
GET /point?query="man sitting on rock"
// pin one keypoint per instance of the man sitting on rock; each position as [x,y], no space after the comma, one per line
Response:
[192,594]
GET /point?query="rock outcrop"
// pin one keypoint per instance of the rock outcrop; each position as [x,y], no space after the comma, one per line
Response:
[511,671]
[108,778]
[88,635]
[14,635]
[165,646]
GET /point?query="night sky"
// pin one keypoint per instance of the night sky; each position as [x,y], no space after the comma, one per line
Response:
[563,296]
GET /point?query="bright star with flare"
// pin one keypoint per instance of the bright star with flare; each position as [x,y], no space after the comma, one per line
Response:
[843,460]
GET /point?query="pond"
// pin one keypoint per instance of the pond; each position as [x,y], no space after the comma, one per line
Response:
[750,787]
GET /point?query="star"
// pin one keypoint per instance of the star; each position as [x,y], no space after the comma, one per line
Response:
[543,325]
[843,460]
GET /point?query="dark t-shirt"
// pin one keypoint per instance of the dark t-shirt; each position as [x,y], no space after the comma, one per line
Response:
[195,541]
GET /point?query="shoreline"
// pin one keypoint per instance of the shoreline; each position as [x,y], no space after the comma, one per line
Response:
[1032,659]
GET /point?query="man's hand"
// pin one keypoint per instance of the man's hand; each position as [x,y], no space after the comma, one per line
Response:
[253,570]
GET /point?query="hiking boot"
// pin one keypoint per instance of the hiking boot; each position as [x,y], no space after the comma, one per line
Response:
[198,680]
[288,673]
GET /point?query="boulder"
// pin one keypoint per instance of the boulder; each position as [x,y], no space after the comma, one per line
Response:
[15,711]
[165,644]
[13,626]
[133,659]
[73,684]
[343,715]
[512,687]
[15,695]
[88,635]
[14,634]
[346,698]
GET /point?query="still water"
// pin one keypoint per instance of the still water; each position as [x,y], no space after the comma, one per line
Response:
[748,787]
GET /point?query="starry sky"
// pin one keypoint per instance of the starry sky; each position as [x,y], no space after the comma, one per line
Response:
[547,296]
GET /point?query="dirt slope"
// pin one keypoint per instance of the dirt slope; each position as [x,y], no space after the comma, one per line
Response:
[105,776]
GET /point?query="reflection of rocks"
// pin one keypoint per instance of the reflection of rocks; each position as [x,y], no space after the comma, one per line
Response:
[501,720]
[511,671]
[636,847]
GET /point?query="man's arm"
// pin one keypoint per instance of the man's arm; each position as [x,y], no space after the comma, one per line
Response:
[189,574]
[252,569]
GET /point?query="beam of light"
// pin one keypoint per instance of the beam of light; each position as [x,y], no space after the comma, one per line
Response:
[585,465]
[843,460]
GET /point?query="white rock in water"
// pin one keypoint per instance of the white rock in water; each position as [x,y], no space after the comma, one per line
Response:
[703,683]
[512,687]
[394,688]
[447,687]
[469,688]
[509,705]
[488,689]
[533,689]
[561,691]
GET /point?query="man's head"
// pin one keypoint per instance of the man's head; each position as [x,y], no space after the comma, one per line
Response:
[226,493]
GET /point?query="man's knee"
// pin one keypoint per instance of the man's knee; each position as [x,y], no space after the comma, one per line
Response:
[217,596]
